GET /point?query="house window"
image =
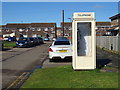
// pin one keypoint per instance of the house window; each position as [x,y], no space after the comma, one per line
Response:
[33,29]
[23,29]
[51,28]
[70,28]
[38,29]
[34,35]
[13,30]
[67,28]
[26,30]
[7,30]
[64,28]
[53,32]
[46,29]
[20,30]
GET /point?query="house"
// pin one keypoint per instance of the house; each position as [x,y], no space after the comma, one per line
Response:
[43,29]
[29,29]
[115,24]
[102,27]
[67,29]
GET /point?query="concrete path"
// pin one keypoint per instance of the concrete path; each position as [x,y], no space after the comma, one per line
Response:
[103,58]
[48,64]
[107,58]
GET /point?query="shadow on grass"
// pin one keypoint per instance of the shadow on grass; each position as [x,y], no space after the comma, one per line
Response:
[102,62]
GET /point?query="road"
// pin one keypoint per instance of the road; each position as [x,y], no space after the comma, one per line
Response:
[20,62]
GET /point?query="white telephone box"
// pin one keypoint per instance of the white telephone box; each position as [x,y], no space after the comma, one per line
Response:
[83,40]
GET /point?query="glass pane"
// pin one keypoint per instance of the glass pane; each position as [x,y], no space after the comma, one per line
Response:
[62,43]
[83,38]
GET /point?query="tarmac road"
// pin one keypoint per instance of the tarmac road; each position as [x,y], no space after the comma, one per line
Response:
[16,65]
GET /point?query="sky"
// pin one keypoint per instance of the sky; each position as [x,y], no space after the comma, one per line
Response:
[37,12]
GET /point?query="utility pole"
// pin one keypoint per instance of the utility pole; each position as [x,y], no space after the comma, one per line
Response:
[119,19]
[63,22]
[118,24]
[55,31]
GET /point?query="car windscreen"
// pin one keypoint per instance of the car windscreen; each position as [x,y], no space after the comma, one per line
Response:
[22,39]
[40,38]
[31,39]
[62,43]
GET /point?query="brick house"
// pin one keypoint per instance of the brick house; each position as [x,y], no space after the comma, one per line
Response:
[115,23]
[29,29]
[4,31]
[43,29]
[18,29]
[102,27]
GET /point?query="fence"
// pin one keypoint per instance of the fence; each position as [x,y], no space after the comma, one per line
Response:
[109,42]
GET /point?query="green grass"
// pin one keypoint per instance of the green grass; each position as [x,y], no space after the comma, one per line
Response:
[66,77]
[9,44]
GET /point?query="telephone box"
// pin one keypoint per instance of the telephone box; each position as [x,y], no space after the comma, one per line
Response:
[84,41]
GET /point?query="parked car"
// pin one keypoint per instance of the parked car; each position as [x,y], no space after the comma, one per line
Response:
[36,41]
[11,39]
[32,40]
[23,42]
[46,39]
[40,40]
[5,38]
[61,48]
[53,39]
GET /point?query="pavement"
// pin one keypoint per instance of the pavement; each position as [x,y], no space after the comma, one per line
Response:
[103,58]
[48,64]
[107,58]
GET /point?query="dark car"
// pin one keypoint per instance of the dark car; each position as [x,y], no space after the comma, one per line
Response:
[36,41]
[40,40]
[23,42]
[33,41]
[11,38]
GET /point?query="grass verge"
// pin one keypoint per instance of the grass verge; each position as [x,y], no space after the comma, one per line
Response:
[9,44]
[66,77]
